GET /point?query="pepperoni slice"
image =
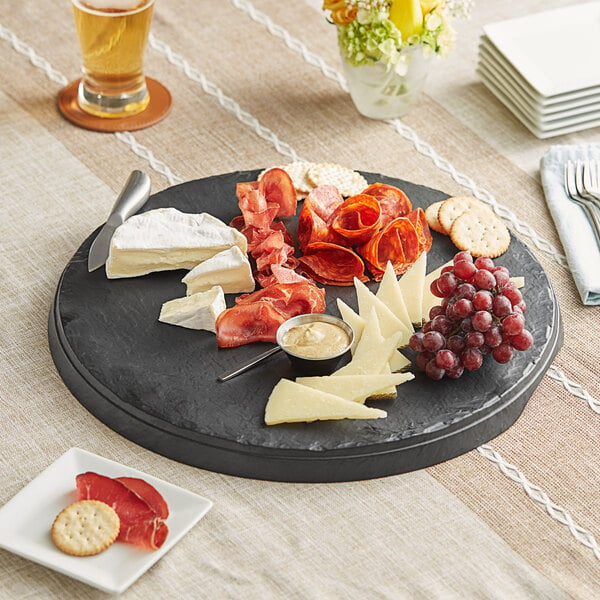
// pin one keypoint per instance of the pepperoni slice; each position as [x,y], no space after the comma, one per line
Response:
[393,201]
[332,264]
[357,219]
[312,228]
[277,187]
[397,242]
[417,218]
[140,524]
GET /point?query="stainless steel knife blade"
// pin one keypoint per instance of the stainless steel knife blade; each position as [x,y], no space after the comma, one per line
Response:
[133,196]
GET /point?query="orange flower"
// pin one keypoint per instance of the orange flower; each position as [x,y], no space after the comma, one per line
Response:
[341,14]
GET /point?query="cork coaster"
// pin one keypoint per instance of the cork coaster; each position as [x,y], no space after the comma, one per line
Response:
[158,108]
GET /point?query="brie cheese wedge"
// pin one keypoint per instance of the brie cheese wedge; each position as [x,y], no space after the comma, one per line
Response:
[166,239]
[291,402]
[198,311]
[229,269]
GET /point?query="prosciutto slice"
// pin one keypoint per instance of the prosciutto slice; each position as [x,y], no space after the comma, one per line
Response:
[141,524]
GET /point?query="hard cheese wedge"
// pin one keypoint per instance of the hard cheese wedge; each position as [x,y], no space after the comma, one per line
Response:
[355,388]
[411,286]
[389,293]
[166,239]
[198,311]
[229,269]
[291,402]
[353,319]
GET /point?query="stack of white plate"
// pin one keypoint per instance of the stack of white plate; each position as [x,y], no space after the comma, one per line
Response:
[546,68]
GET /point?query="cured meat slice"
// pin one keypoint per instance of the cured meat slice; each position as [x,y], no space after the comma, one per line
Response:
[289,299]
[419,221]
[332,264]
[278,188]
[148,493]
[357,219]
[323,200]
[397,242]
[393,201]
[272,251]
[312,228]
[245,323]
[280,274]
[140,524]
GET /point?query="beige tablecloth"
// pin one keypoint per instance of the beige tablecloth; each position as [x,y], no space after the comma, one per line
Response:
[514,519]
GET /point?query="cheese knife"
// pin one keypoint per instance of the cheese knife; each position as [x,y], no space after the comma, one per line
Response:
[132,197]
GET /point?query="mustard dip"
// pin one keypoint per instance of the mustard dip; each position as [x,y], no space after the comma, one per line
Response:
[316,340]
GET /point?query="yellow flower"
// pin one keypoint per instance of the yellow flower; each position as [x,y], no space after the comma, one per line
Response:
[428,5]
[341,14]
[407,16]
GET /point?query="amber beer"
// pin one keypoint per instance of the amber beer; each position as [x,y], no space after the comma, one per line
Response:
[113,36]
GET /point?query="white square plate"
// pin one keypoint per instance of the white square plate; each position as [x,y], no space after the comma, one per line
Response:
[26,519]
[555,50]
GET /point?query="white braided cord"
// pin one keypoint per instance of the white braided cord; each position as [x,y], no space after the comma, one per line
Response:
[228,103]
[538,495]
[297,46]
[573,388]
[57,77]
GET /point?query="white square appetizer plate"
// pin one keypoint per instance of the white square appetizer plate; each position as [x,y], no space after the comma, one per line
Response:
[26,519]
[555,50]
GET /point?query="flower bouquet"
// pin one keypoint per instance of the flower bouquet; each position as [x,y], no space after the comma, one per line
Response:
[386,46]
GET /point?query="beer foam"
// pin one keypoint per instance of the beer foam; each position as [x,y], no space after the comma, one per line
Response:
[115,4]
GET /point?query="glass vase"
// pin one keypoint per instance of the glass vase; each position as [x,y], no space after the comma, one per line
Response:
[387,92]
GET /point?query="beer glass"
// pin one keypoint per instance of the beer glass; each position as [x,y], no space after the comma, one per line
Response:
[113,36]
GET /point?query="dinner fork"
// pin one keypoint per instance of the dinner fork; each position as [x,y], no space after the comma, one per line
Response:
[591,179]
[571,186]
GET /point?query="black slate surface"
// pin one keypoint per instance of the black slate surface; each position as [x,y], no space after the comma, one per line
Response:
[156,383]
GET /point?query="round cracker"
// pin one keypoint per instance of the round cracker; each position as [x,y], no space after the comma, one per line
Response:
[431,216]
[85,528]
[455,206]
[347,181]
[480,234]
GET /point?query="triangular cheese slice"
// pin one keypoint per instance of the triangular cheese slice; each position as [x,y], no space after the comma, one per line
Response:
[229,269]
[389,293]
[398,361]
[411,287]
[291,402]
[198,311]
[389,324]
[355,388]
[353,319]
[166,239]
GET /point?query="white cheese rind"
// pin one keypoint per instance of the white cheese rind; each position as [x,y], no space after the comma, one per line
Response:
[166,239]
[229,269]
[291,402]
[198,311]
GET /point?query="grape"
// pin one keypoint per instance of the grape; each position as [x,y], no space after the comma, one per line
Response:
[493,337]
[426,327]
[521,307]
[463,308]
[433,341]
[456,343]
[433,288]
[416,341]
[447,269]
[442,324]
[522,341]
[447,283]
[471,359]
[513,295]
[456,372]
[502,353]
[446,359]
[501,306]
[433,371]
[484,263]
[474,339]
[434,311]
[465,290]
[513,324]
[463,255]
[451,313]
[422,359]
[466,325]
[482,300]
[465,269]
[485,349]
[484,279]
[502,277]
[482,320]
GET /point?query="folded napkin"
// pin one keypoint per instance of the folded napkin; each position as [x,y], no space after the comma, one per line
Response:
[575,231]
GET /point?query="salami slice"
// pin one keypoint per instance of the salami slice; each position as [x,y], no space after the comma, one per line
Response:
[357,219]
[312,228]
[278,188]
[397,242]
[393,201]
[332,264]
[140,524]
[417,218]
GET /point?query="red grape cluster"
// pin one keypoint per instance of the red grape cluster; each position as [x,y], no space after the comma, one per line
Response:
[481,312]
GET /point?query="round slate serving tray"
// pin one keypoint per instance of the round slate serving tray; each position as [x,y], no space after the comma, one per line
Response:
[156,385]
